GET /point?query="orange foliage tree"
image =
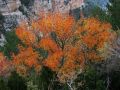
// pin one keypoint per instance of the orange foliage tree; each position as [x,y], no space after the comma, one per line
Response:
[26,60]
[70,44]
[5,66]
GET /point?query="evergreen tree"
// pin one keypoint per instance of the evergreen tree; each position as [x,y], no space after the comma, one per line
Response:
[2,23]
[27,3]
[16,82]
[99,13]
[114,10]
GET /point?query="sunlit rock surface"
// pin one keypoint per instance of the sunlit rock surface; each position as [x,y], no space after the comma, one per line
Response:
[63,6]
[9,5]
[9,9]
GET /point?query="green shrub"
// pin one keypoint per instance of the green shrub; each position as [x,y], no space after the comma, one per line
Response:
[11,44]
[91,79]
[3,85]
[15,82]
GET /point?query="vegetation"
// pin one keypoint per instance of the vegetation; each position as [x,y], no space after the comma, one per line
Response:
[58,52]
[1,23]
[113,9]
[76,45]
[100,14]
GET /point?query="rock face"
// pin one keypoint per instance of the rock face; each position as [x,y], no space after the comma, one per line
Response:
[42,5]
[9,5]
[2,40]
[67,5]
[10,8]
[12,19]
[63,6]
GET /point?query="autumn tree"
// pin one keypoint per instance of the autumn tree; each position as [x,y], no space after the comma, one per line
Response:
[26,60]
[70,45]
[5,66]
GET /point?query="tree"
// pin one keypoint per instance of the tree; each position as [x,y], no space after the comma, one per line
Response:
[94,5]
[5,66]
[26,60]
[9,47]
[70,45]
[3,85]
[91,79]
[16,82]
[27,3]
[2,24]
[113,9]
[99,13]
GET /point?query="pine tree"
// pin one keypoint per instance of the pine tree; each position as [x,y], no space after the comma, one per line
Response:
[114,10]
[1,24]
[27,3]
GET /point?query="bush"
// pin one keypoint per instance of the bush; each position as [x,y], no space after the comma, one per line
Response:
[11,44]
[3,85]
[91,79]
[15,82]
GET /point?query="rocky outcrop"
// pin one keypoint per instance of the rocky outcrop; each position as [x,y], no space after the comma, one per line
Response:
[9,5]
[63,6]
[12,14]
